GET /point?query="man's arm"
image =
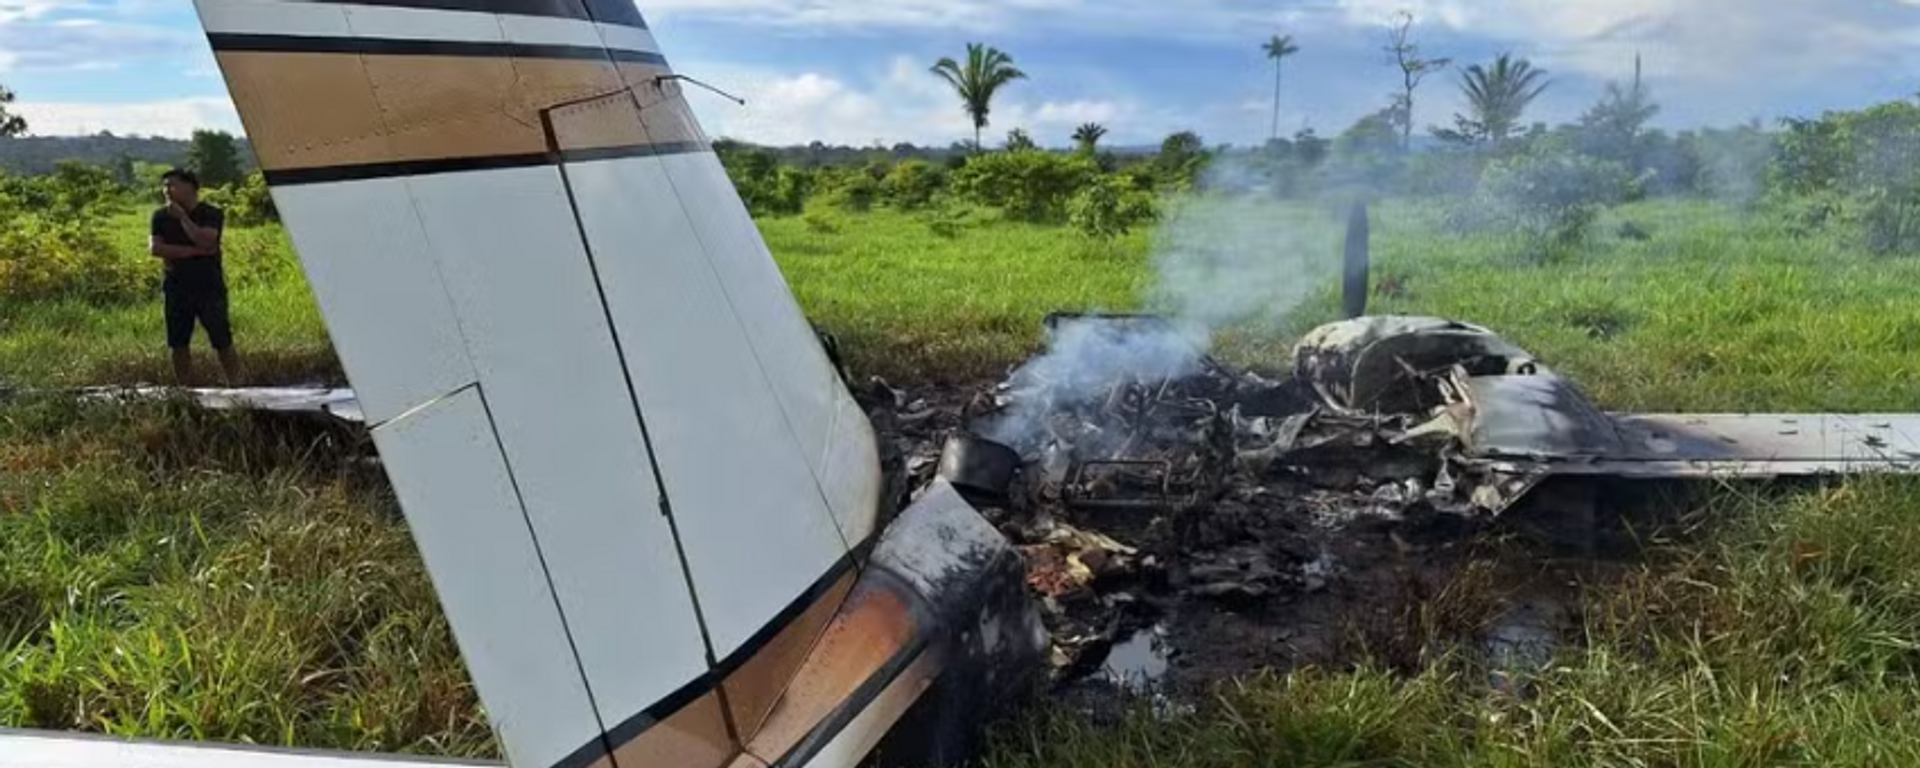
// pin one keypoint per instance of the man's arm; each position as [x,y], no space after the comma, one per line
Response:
[208,238]
[163,250]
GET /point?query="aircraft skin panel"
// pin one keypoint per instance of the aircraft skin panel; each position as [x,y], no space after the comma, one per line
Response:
[373,21]
[876,628]
[781,337]
[393,113]
[49,749]
[274,93]
[857,740]
[758,684]
[380,292]
[541,30]
[449,474]
[526,298]
[301,18]
[752,521]
[623,38]
[273,17]
[852,485]
[832,429]
[692,737]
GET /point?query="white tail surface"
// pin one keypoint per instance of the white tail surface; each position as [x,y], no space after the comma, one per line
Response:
[636,479]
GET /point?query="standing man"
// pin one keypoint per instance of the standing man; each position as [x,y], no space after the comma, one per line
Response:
[186,238]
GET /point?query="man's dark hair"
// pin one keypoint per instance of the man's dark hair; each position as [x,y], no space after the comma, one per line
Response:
[183,175]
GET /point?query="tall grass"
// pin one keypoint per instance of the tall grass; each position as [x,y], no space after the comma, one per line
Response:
[1718,311]
[174,574]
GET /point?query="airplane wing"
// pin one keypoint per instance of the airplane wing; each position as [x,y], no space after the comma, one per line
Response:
[646,500]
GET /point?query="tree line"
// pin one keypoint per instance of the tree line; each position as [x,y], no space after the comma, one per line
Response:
[1495,166]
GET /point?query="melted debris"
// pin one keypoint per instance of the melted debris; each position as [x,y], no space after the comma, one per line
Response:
[1233,518]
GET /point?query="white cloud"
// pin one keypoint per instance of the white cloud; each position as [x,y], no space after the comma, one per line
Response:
[1701,42]
[22,10]
[903,103]
[1188,19]
[82,35]
[1710,41]
[175,118]
[942,14]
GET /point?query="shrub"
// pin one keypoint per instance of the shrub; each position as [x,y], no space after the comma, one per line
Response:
[1888,220]
[1861,166]
[1026,186]
[43,258]
[73,191]
[1550,197]
[854,192]
[1444,174]
[766,187]
[912,185]
[1110,208]
[247,204]
[1183,156]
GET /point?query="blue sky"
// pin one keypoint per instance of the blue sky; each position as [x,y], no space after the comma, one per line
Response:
[855,71]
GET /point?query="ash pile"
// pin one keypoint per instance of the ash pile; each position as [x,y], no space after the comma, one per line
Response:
[1234,520]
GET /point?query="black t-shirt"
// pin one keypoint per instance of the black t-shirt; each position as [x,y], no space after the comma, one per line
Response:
[199,269]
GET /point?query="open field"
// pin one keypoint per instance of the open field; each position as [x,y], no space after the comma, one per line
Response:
[178,575]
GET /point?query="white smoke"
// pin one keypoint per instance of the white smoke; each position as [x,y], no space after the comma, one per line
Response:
[1221,260]
[1084,360]
[1251,260]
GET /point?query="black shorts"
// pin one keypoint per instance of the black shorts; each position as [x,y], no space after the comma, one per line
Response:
[190,301]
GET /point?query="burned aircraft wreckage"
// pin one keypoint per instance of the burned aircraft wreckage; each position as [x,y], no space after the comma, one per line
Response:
[1155,490]
[1159,494]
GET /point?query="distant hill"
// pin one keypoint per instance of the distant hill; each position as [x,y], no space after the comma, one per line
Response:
[31,155]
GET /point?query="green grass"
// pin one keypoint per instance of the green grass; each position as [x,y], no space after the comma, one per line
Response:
[1719,311]
[277,325]
[176,574]
[907,303]
[170,574]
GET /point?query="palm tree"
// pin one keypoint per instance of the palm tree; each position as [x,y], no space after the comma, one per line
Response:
[1088,136]
[1498,96]
[10,124]
[1278,49]
[986,71]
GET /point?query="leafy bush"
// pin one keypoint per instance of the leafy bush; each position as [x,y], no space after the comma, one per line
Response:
[1109,208]
[766,187]
[1549,197]
[247,204]
[1444,174]
[912,185]
[1862,166]
[73,191]
[854,192]
[45,258]
[1890,222]
[1182,158]
[1026,186]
